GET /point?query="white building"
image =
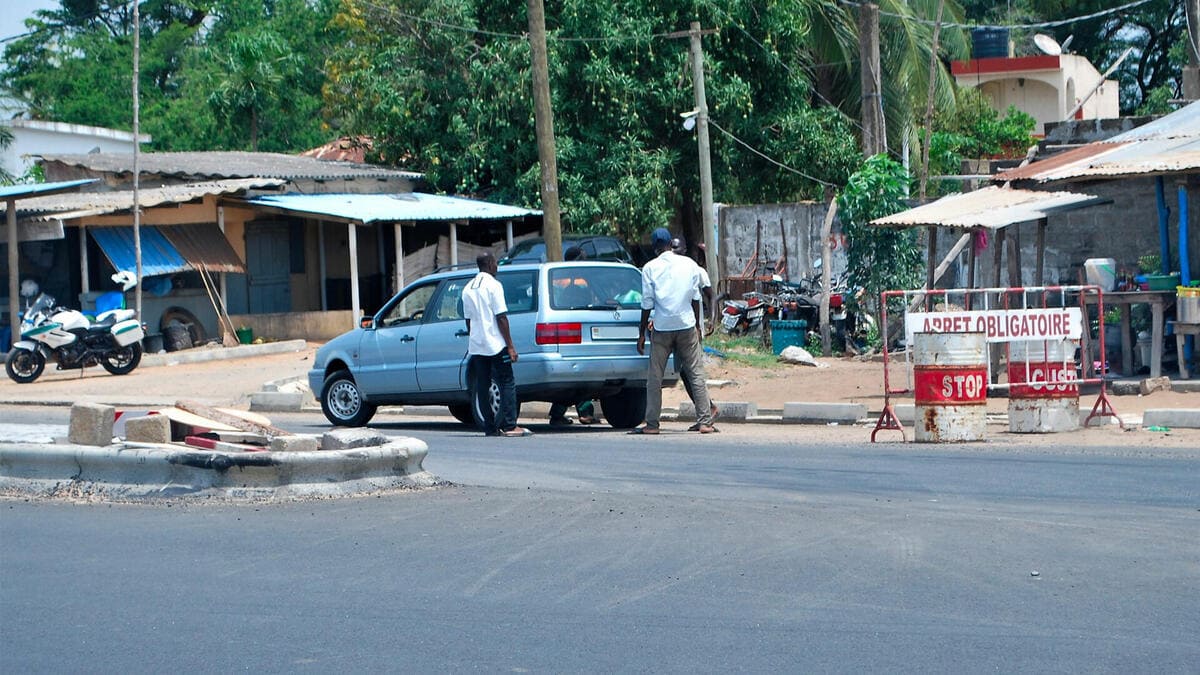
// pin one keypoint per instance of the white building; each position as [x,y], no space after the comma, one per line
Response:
[1048,87]
[36,138]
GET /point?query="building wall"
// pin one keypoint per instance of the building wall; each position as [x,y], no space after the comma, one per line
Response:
[33,137]
[801,228]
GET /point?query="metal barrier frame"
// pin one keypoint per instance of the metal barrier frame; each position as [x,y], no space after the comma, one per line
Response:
[888,420]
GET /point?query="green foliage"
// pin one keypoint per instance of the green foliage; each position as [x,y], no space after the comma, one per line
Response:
[76,66]
[878,259]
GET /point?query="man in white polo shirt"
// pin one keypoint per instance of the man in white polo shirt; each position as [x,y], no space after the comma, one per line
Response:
[490,351]
[670,289]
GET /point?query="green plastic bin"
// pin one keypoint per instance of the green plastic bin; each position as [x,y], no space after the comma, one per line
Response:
[786,334]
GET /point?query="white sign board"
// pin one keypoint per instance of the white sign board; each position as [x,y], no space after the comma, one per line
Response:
[1001,325]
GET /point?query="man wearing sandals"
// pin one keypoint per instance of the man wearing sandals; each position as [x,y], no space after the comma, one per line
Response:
[670,286]
[490,351]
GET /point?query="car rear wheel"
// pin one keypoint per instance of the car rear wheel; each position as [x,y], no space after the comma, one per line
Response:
[343,403]
[462,413]
[625,409]
[466,413]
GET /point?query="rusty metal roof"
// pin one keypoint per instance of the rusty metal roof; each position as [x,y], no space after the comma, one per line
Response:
[1170,144]
[85,204]
[991,207]
[217,165]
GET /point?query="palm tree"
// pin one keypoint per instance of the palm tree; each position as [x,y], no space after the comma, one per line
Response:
[252,72]
[6,139]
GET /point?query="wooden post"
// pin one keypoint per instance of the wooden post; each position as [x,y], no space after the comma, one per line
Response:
[874,138]
[399,230]
[1040,275]
[544,130]
[355,304]
[1014,256]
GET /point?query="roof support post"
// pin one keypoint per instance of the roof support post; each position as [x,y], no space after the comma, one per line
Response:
[321,264]
[1185,268]
[508,234]
[224,292]
[14,275]
[997,257]
[1014,256]
[355,308]
[931,257]
[971,255]
[453,243]
[399,231]
[1039,277]
[84,283]
[1164,225]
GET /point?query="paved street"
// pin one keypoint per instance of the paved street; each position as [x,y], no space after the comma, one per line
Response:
[590,550]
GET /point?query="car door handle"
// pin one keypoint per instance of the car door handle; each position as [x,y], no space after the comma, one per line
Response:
[407,338]
[461,333]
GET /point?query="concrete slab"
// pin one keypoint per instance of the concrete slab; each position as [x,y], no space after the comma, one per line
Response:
[823,413]
[1177,418]
[728,411]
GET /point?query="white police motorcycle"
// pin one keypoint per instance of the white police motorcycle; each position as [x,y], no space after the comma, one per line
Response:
[71,340]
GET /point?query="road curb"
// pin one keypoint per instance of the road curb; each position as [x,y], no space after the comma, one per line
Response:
[203,354]
[148,471]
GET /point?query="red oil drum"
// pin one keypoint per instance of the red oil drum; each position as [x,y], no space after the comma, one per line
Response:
[1043,395]
[950,386]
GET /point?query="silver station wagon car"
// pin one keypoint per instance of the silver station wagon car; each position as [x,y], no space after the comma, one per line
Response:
[574,325]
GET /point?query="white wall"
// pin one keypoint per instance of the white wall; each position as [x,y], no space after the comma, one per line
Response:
[34,137]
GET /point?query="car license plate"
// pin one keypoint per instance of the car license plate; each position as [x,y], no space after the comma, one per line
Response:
[614,332]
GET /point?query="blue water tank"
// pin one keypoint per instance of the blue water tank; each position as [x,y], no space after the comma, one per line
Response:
[989,43]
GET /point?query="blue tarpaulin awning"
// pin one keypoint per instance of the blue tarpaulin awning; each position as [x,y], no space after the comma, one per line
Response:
[159,256]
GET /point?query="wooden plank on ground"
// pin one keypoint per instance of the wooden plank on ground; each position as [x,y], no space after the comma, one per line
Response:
[238,421]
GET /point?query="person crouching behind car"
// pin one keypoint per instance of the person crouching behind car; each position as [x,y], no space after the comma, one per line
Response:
[490,351]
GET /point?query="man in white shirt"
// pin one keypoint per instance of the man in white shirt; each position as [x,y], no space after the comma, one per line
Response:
[490,351]
[670,289]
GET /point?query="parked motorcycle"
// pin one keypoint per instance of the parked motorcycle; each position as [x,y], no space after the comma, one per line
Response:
[66,336]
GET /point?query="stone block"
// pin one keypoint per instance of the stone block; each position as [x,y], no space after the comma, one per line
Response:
[907,412]
[91,424]
[1172,418]
[148,429]
[824,413]
[1153,384]
[344,439]
[294,444]
[728,411]
[276,401]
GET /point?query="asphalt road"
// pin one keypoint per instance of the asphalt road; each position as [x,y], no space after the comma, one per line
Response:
[590,550]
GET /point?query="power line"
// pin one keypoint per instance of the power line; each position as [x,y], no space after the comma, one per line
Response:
[769,159]
[1041,24]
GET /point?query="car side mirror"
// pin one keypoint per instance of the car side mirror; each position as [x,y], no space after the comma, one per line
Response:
[367,322]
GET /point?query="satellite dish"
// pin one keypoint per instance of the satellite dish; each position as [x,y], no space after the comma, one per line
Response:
[1047,44]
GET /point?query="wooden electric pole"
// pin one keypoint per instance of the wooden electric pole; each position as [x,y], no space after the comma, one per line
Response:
[137,159]
[706,190]
[544,122]
[874,137]
[1191,72]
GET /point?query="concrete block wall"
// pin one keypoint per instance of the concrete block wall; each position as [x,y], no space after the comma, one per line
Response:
[801,227]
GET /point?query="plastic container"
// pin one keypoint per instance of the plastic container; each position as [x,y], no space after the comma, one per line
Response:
[989,43]
[245,335]
[1101,272]
[1162,282]
[786,334]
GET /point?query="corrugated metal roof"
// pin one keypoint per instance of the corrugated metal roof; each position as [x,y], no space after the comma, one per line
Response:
[408,206]
[84,204]
[212,165]
[991,207]
[159,256]
[204,246]
[40,189]
[1170,144]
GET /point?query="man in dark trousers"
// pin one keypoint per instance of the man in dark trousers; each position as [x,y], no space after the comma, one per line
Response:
[490,351]
[671,290]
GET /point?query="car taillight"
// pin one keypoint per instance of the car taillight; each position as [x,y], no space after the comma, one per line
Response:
[835,300]
[559,333]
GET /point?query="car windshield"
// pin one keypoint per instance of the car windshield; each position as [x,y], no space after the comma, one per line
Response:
[607,287]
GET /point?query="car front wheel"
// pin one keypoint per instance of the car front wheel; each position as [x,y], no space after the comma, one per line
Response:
[343,403]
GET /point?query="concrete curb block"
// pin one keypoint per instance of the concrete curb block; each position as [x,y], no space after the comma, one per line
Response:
[276,401]
[202,354]
[1176,418]
[823,413]
[727,411]
[145,471]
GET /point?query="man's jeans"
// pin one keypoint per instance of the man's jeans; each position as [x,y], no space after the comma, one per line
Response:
[482,372]
[688,356]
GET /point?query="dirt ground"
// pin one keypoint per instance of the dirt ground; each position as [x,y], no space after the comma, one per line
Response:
[849,380]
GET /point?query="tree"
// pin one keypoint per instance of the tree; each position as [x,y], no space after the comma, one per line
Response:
[252,70]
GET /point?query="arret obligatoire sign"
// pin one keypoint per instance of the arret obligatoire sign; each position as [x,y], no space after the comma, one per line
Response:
[1001,325]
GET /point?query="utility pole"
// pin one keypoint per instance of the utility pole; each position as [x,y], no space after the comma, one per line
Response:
[544,122]
[706,195]
[1191,72]
[874,138]
[933,60]
[137,158]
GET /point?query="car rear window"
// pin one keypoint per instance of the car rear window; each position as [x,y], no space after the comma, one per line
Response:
[599,287]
